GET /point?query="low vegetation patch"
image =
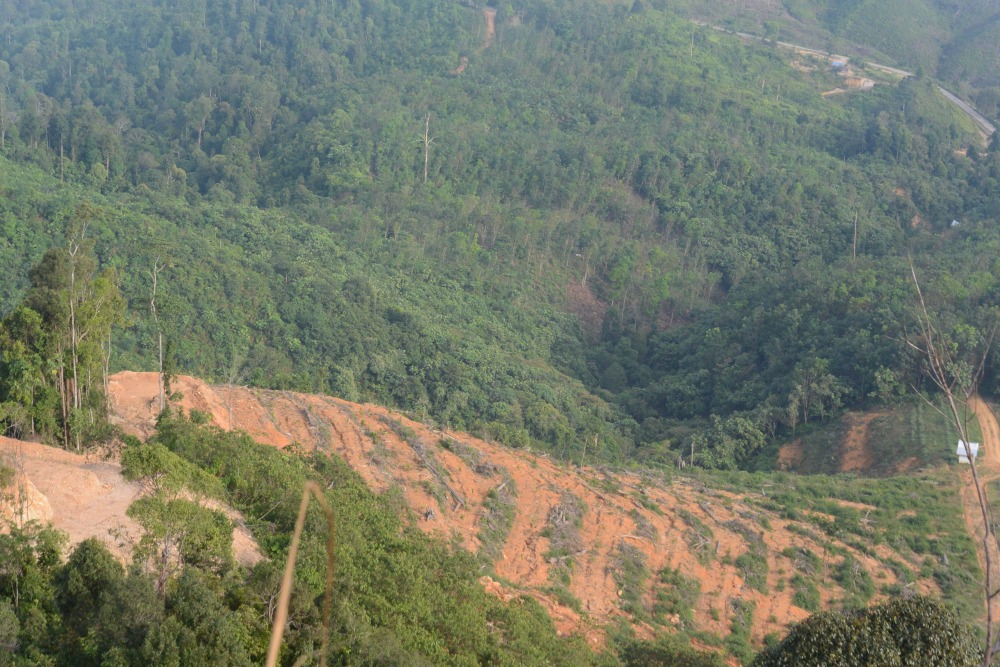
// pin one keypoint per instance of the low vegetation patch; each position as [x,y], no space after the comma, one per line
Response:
[563,531]
[698,536]
[499,509]
[675,595]
[628,568]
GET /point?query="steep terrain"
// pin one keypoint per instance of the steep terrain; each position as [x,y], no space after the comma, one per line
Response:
[591,545]
[84,497]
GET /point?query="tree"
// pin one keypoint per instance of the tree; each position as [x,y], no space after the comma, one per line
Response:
[816,391]
[954,361]
[60,338]
[179,532]
[914,632]
[90,571]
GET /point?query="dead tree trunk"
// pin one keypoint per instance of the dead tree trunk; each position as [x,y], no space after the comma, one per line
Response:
[942,361]
[427,140]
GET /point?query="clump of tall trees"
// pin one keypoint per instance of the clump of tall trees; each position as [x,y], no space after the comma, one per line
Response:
[55,346]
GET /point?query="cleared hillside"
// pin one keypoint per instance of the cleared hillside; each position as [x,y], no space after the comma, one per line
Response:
[693,553]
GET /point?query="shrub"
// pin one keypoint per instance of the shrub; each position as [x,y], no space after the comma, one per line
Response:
[918,632]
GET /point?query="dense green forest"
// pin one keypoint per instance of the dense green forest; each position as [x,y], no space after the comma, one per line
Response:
[382,201]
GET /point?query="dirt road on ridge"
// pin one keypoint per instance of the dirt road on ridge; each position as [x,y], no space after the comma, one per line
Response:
[984,126]
[988,469]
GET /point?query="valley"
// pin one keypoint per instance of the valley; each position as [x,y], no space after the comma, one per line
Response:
[601,327]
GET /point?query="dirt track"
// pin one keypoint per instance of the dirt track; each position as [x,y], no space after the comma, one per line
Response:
[988,469]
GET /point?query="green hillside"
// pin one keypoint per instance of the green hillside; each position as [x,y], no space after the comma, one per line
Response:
[699,193]
[955,41]
[600,231]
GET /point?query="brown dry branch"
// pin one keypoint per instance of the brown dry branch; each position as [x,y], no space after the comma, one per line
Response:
[950,374]
[281,615]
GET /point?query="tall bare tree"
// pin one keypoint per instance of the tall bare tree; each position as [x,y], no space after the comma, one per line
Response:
[154,274]
[956,370]
[426,140]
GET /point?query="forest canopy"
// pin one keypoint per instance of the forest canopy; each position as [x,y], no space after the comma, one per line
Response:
[630,228]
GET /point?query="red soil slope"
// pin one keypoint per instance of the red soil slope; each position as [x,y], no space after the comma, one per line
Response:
[84,497]
[659,518]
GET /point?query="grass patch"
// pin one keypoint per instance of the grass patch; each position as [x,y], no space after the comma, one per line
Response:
[644,527]
[753,568]
[856,581]
[698,536]
[740,621]
[913,433]
[806,594]
[628,569]
[677,595]
[919,516]
[471,456]
[499,509]
[563,531]
[564,597]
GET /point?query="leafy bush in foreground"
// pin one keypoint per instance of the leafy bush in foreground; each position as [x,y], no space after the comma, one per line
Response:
[918,632]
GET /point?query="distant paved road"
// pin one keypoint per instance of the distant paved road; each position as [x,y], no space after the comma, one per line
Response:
[985,127]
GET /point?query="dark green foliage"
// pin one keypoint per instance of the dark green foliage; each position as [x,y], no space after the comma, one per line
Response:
[200,628]
[56,344]
[401,597]
[667,651]
[914,632]
[88,574]
[399,593]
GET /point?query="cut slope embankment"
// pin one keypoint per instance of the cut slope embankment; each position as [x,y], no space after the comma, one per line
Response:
[84,497]
[572,533]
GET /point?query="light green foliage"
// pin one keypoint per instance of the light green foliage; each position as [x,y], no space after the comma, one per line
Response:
[179,532]
[500,507]
[162,470]
[698,536]
[741,621]
[918,516]
[563,532]
[855,580]
[628,567]
[753,567]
